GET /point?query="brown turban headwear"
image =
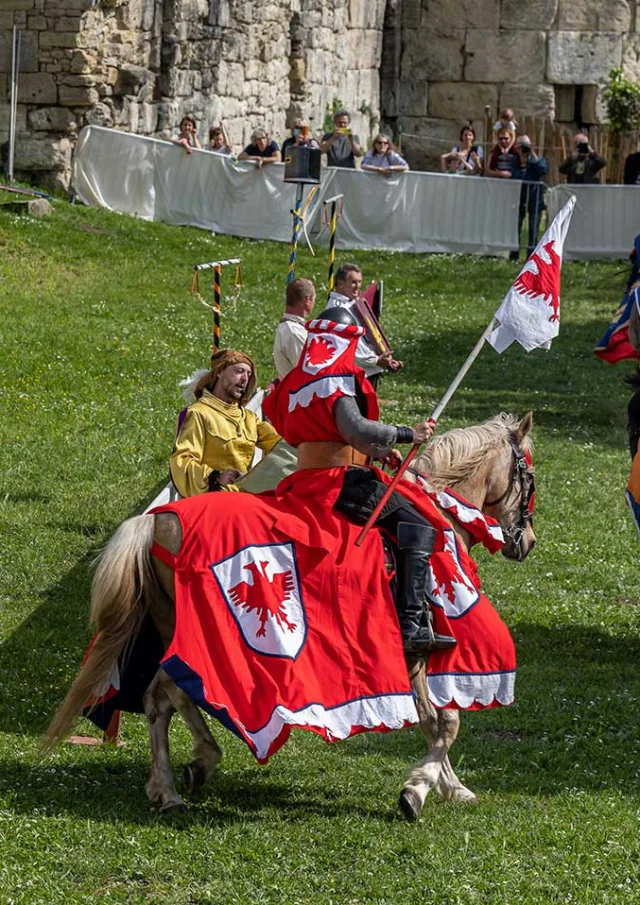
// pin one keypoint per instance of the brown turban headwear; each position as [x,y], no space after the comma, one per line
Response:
[219,362]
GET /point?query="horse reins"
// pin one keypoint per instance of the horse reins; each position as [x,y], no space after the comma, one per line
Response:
[522,462]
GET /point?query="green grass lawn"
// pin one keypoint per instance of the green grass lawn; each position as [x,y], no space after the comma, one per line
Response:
[97,326]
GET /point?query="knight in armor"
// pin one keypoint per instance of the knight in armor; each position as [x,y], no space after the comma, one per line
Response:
[327,409]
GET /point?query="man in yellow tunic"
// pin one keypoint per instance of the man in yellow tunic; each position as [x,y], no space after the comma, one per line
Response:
[218,437]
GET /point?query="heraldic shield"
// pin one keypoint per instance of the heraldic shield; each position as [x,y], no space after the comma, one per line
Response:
[261,586]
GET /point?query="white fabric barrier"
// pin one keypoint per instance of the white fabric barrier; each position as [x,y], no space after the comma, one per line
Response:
[605,221]
[415,212]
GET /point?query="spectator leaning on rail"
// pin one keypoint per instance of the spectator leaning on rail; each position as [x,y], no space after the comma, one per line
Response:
[219,140]
[341,146]
[300,136]
[291,334]
[218,437]
[504,159]
[583,166]
[188,137]
[531,170]
[465,158]
[261,150]
[383,158]
[347,289]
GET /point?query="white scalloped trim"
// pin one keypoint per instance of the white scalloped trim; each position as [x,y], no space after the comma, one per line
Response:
[466,689]
[322,388]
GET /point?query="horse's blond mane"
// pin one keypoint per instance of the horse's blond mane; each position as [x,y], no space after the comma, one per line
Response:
[456,456]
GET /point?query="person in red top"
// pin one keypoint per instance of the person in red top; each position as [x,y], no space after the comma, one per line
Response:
[326,408]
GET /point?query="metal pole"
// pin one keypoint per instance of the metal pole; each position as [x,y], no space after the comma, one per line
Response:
[333,223]
[216,307]
[297,226]
[15,68]
[413,452]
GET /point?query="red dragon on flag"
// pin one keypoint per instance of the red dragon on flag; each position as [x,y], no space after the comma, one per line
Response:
[541,278]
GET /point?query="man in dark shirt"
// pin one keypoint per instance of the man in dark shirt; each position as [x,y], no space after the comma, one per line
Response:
[632,169]
[504,158]
[583,166]
[531,170]
[341,146]
[261,150]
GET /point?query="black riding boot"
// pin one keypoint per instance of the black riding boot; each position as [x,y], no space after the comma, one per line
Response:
[415,543]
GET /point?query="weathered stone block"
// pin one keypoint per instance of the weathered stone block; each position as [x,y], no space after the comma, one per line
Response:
[439,60]
[37,88]
[492,57]
[17,4]
[366,51]
[528,100]
[83,62]
[131,79]
[405,97]
[440,15]
[34,207]
[71,96]
[431,136]
[100,115]
[631,57]
[21,118]
[582,58]
[535,15]
[411,13]
[28,51]
[35,153]
[460,101]
[366,13]
[58,39]
[594,15]
[37,23]
[6,19]
[51,119]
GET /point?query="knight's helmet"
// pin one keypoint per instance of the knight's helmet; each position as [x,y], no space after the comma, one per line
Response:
[338,315]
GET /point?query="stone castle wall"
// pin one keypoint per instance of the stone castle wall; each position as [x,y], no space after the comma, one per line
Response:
[426,66]
[140,65]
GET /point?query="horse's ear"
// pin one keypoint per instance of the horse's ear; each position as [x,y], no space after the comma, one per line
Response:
[524,427]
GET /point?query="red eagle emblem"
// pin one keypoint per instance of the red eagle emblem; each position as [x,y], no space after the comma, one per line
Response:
[265,596]
[544,282]
[320,351]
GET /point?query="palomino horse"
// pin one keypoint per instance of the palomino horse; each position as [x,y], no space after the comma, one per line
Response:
[485,464]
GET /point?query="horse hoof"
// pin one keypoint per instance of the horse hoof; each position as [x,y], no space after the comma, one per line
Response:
[410,805]
[193,776]
[173,807]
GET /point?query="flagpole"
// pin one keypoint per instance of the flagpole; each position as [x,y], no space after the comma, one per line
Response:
[440,407]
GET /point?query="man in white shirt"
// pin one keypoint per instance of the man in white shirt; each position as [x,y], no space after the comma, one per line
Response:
[291,334]
[348,287]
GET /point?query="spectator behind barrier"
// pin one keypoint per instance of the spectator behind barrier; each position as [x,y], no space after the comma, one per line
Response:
[504,159]
[632,169]
[188,136]
[531,170]
[508,122]
[465,158]
[301,136]
[383,159]
[261,150]
[341,146]
[219,140]
[583,166]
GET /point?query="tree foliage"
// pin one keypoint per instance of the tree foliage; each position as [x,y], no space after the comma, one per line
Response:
[622,98]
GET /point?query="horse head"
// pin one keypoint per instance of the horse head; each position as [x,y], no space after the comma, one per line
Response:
[490,465]
[510,491]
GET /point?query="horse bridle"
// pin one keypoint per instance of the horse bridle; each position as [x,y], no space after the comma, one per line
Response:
[522,462]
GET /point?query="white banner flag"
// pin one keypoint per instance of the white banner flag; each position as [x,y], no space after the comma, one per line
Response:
[530,312]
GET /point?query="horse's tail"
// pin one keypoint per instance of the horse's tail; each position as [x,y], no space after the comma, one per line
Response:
[117,608]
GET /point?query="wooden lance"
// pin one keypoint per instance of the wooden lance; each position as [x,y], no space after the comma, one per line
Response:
[440,407]
[336,212]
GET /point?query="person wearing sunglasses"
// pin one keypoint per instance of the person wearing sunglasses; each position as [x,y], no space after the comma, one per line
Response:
[383,159]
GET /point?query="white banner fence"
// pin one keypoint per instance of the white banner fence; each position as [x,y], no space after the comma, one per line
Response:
[411,212]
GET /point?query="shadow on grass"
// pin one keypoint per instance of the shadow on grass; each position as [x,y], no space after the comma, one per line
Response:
[40,658]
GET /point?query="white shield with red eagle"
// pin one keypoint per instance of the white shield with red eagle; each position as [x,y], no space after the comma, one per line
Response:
[261,586]
[322,350]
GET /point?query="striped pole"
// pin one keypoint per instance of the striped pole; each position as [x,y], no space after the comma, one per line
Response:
[297,226]
[216,308]
[216,266]
[336,212]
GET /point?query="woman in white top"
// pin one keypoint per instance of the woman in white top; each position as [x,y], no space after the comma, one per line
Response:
[188,137]
[464,158]
[383,159]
